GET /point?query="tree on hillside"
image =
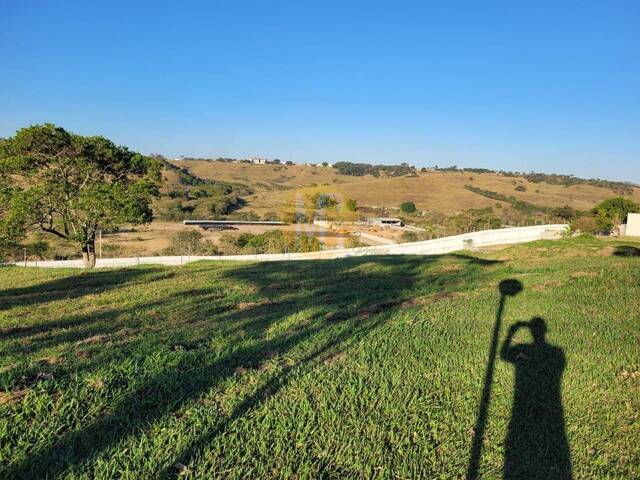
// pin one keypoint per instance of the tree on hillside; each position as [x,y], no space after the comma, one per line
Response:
[407,207]
[351,205]
[614,211]
[72,186]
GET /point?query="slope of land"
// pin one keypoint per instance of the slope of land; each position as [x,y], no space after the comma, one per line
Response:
[363,367]
[278,187]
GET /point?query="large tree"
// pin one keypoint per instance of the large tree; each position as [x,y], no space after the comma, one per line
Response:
[71,186]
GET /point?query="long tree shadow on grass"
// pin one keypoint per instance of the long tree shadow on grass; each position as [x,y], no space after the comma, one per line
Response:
[536,445]
[343,301]
[78,285]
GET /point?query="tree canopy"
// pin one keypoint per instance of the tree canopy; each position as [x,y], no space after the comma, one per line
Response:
[71,186]
[613,211]
[407,207]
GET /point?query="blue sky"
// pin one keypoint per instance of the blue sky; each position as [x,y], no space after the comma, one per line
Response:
[548,86]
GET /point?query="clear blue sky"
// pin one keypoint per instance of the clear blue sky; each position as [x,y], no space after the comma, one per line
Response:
[521,85]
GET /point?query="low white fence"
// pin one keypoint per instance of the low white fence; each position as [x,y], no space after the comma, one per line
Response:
[438,246]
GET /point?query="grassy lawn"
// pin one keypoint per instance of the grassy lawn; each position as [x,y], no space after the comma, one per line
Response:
[356,368]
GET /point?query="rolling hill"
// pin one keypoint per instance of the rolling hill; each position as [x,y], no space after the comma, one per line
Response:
[277,187]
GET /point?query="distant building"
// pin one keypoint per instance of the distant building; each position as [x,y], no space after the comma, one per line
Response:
[258,160]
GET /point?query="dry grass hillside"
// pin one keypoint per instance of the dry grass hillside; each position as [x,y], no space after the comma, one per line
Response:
[279,186]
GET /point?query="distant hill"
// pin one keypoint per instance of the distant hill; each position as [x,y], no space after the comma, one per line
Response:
[278,188]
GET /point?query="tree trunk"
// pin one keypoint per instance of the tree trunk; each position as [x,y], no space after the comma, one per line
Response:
[89,254]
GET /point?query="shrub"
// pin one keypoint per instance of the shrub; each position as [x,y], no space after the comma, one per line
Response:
[176,211]
[224,205]
[613,211]
[566,213]
[271,217]
[354,242]
[190,242]
[585,224]
[324,200]
[409,236]
[274,241]
[407,207]
[521,188]
[351,205]
[295,217]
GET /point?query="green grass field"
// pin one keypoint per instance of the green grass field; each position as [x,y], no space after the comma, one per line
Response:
[356,368]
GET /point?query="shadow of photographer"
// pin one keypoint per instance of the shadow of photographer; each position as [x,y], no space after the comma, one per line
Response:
[536,444]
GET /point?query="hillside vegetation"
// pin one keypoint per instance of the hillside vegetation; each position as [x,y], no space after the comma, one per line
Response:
[362,367]
[279,188]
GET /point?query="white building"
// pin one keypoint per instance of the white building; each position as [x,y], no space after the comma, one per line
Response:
[259,160]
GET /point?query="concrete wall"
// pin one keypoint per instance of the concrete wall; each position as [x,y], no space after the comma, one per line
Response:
[633,225]
[439,246]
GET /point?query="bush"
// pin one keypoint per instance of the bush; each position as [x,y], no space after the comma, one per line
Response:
[566,213]
[586,224]
[408,207]
[175,211]
[613,211]
[351,205]
[324,200]
[521,188]
[223,205]
[190,242]
[274,241]
[271,217]
[409,236]
[295,217]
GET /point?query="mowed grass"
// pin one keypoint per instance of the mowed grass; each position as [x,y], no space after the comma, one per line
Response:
[356,368]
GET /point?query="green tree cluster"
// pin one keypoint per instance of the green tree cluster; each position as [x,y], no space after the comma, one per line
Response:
[71,186]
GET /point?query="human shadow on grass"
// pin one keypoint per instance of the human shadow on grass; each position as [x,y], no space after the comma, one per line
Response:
[346,301]
[536,445]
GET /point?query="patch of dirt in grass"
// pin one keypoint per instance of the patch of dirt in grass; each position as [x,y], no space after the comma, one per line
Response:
[14,396]
[335,358]
[452,267]
[248,305]
[53,360]
[584,274]
[8,331]
[31,380]
[547,284]
[93,339]
[338,316]
[96,383]
[427,299]
[377,308]
[630,374]
[239,370]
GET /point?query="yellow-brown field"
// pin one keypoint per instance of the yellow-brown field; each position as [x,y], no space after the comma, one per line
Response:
[278,186]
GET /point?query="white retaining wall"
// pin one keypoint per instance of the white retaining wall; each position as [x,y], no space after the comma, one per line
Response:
[633,225]
[439,246]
